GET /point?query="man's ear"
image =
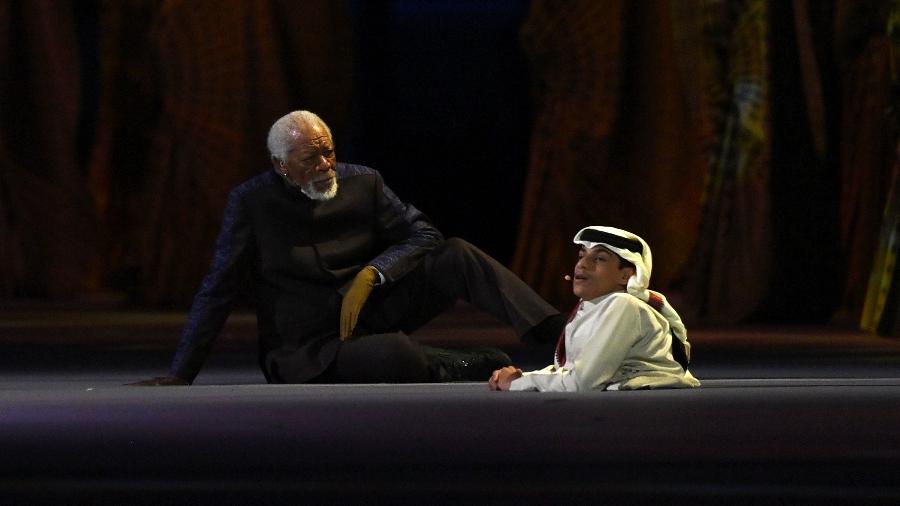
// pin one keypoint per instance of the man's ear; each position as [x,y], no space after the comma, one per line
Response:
[277,164]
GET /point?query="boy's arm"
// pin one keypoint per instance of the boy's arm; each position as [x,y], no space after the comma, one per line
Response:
[611,334]
[548,379]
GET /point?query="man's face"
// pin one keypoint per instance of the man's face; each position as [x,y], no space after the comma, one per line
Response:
[597,273]
[310,161]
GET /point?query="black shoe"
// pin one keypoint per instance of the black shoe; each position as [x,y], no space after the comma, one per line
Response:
[464,365]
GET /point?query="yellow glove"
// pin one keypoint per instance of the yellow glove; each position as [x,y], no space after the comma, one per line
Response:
[355,298]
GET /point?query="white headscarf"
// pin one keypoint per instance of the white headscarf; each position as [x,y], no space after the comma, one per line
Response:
[634,249]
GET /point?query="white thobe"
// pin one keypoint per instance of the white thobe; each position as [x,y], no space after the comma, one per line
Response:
[615,342]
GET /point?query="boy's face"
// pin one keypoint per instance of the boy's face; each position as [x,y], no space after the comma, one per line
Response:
[597,273]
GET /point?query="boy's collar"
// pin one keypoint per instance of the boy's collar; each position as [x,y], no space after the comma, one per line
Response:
[598,300]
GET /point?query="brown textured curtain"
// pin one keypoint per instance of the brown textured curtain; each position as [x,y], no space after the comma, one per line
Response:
[226,73]
[732,257]
[674,119]
[658,117]
[186,91]
[610,111]
[864,55]
[47,221]
[881,309]
[632,100]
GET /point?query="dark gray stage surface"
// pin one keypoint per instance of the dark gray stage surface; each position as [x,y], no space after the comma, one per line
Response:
[786,416]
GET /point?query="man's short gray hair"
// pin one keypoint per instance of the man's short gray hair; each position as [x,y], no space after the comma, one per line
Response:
[286,129]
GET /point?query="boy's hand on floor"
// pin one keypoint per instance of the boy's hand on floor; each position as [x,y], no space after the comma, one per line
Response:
[160,381]
[501,378]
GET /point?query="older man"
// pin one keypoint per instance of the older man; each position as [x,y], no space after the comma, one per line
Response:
[342,269]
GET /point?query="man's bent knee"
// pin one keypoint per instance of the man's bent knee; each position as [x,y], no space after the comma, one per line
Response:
[456,244]
[456,248]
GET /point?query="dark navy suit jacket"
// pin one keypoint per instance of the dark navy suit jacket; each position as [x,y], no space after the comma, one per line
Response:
[300,255]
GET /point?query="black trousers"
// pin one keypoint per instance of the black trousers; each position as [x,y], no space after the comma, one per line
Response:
[379,358]
[380,351]
[454,270]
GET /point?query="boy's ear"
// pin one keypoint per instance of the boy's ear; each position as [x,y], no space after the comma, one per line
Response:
[626,273]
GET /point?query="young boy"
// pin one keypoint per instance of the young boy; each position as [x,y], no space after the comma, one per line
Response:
[621,336]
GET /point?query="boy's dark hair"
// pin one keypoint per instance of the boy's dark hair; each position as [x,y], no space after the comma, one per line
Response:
[622,262]
[625,263]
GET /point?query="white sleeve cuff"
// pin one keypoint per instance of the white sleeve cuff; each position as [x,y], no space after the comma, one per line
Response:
[522,384]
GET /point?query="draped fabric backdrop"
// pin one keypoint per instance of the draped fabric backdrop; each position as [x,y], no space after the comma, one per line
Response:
[613,140]
[47,219]
[731,259]
[753,143]
[881,312]
[187,91]
[749,141]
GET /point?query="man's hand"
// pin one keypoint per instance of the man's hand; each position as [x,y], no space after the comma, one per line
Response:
[355,298]
[160,381]
[501,378]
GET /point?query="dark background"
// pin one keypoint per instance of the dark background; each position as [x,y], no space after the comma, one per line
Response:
[443,109]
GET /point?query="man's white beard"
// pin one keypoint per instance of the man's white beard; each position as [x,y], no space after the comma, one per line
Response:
[310,191]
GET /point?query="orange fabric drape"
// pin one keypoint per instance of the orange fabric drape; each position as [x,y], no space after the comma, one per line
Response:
[729,273]
[48,225]
[868,140]
[128,196]
[657,117]
[186,91]
[610,110]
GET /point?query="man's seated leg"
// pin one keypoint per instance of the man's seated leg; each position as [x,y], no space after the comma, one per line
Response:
[380,358]
[394,358]
[457,269]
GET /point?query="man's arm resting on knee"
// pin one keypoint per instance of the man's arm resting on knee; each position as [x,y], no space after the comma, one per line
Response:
[407,231]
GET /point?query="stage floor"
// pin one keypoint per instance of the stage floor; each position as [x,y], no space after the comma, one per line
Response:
[787,415]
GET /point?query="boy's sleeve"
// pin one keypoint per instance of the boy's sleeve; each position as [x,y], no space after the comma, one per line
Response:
[548,379]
